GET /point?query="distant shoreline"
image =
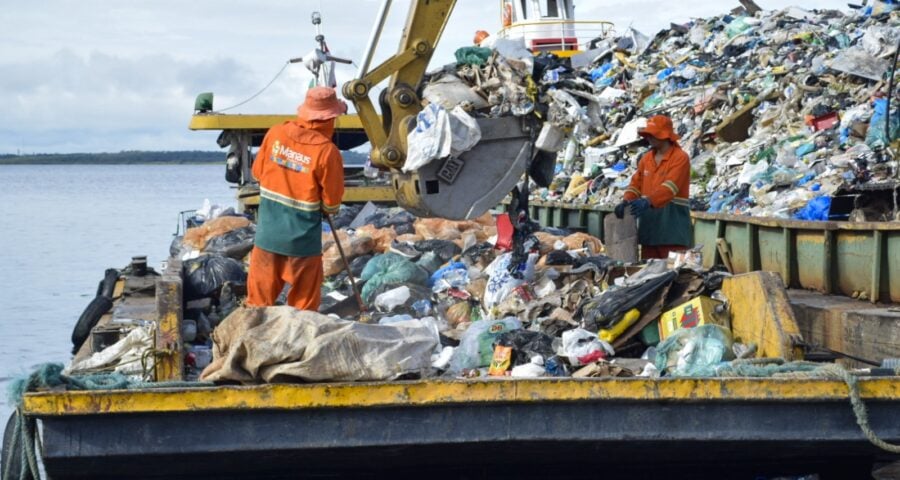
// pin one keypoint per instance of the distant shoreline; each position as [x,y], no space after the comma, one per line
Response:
[120,158]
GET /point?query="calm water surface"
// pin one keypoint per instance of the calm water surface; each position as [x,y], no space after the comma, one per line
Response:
[62,226]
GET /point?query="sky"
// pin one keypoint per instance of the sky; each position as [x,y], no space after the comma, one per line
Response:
[104,76]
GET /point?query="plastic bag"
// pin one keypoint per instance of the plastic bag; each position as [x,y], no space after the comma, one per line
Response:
[390,269]
[532,369]
[381,238]
[430,262]
[444,249]
[446,271]
[583,347]
[527,344]
[205,275]
[234,244]
[430,139]
[875,137]
[500,282]
[437,228]
[464,130]
[603,311]
[694,352]
[816,210]
[392,299]
[460,312]
[358,264]
[580,240]
[476,347]
[198,236]
[473,55]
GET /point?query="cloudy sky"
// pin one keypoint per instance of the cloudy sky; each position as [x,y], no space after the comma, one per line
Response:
[105,76]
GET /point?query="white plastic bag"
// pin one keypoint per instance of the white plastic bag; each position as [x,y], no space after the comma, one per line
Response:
[751,171]
[533,369]
[464,130]
[500,282]
[431,139]
[583,347]
[392,299]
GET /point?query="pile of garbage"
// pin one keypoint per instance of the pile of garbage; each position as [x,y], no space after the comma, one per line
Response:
[780,111]
[566,310]
[448,298]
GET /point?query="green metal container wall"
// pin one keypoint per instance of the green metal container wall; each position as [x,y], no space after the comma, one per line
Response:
[846,258]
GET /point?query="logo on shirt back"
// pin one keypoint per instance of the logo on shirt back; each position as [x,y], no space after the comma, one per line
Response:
[288,158]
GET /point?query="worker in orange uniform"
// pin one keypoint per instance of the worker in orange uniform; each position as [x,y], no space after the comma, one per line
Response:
[301,177]
[659,191]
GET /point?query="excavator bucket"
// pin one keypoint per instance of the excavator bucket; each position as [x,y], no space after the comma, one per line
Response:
[464,188]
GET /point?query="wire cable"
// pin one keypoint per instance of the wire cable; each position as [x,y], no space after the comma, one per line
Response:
[259,92]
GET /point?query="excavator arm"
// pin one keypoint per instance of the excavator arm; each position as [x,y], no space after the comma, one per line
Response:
[454,188]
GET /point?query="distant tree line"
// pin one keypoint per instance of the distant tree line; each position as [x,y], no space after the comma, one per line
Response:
[120,158]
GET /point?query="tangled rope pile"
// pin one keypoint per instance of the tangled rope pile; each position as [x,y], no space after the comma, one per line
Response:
[50,376]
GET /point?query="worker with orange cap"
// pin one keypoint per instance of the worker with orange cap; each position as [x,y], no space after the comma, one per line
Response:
[301,177]
[659,192]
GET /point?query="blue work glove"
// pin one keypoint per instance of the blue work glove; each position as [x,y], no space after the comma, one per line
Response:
[620,209]
[640,206]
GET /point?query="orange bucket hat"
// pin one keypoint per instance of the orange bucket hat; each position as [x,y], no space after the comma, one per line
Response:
[479,36]
[660,126]
[321,103]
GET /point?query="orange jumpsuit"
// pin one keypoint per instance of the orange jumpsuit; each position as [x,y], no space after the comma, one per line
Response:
[667,226]
[301,175]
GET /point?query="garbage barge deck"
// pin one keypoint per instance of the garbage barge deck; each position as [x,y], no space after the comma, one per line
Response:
[623,427]
[693,427]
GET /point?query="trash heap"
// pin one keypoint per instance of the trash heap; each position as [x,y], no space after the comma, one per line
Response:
[446,298]
[780,111]
[568,310]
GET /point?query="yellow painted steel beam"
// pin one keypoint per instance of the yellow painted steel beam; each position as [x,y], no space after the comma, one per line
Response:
[351,195]
[169,363]
[761,313]
[260,122]
[422,393]
[368,194]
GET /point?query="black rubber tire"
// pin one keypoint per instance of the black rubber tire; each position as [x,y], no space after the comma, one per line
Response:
[108,285]
[89,317]
[11,456]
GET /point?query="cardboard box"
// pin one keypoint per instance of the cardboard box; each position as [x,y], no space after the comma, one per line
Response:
[699,311]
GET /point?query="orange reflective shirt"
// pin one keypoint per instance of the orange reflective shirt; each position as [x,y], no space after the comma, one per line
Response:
[663,183]
[667,187]
[301,174]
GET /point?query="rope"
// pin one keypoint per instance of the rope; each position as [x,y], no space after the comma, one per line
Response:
[50,376]
[259,92]
[778,368]
[837,372]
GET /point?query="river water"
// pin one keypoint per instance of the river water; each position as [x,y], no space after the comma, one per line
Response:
[62,226]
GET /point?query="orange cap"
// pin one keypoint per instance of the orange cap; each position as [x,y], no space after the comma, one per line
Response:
[321,104]
[480,35]
[660,126]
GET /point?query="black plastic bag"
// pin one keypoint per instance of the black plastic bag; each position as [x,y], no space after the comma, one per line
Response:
[604,310]
[444,249]
[527,344]
[358,264]
[205,275]
[404,228]
[560,257]
[234,244]
[346,215]
[400,218]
